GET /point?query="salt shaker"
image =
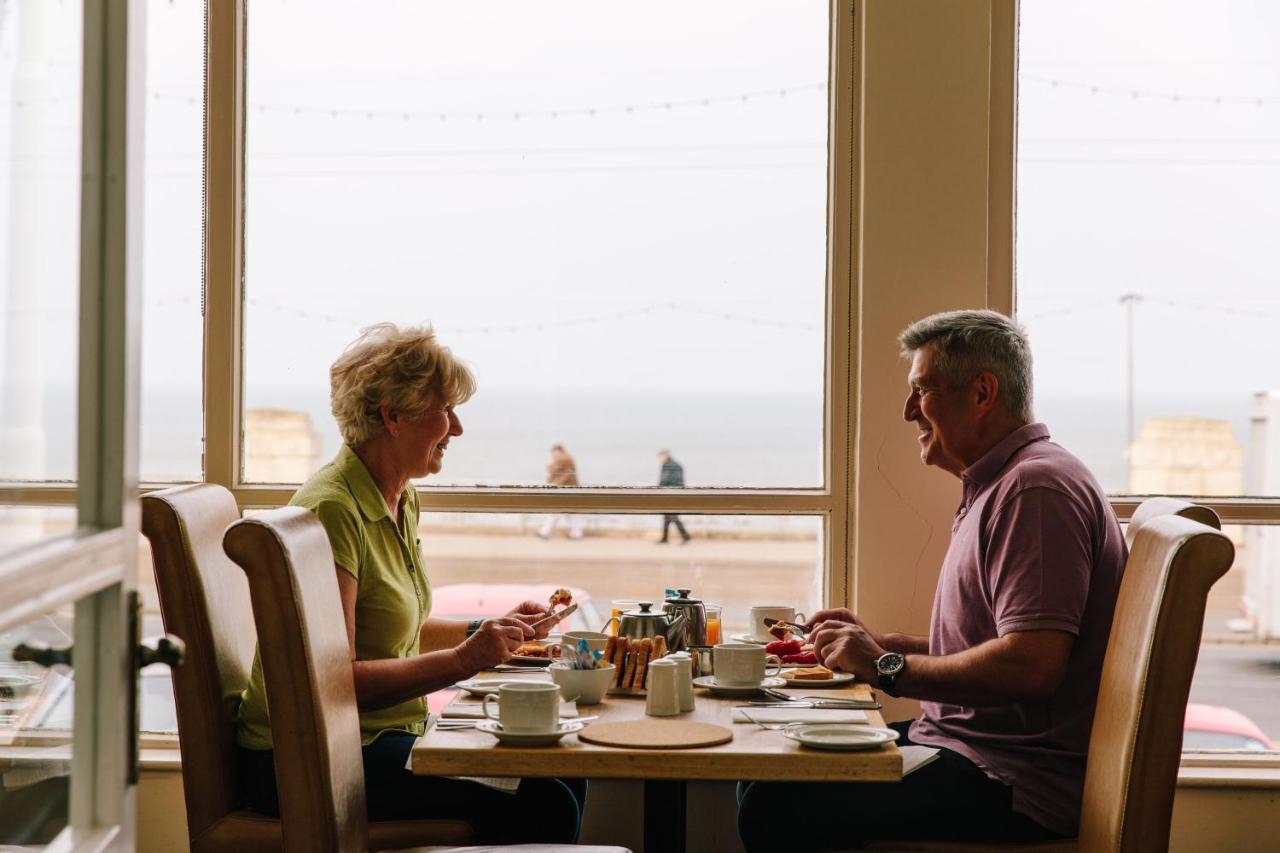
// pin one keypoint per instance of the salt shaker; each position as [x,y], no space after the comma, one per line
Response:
[684,679]
[663,699]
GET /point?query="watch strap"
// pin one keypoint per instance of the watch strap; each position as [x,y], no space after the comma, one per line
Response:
[473,626]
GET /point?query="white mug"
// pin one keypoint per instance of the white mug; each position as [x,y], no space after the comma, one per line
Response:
[663,698]
[743,664]
[760,612]
[532,708]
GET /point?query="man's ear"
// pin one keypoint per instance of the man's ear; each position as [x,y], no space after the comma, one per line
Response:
[986,389]
[390,419]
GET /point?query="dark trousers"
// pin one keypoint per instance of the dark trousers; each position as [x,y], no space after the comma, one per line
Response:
[541,811]
[670,519]
[949,799]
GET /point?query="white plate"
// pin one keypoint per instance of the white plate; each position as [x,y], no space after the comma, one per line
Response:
[484,686]
[752,638]
[839,736]
[709,682]
[522,660]
[494,728]
[837,679]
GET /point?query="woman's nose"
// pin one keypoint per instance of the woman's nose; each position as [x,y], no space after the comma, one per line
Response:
[455,424]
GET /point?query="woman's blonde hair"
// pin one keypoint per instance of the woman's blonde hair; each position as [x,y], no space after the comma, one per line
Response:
[406,369]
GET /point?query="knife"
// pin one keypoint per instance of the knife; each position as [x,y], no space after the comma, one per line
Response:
[554,618]
[769,622]
[845,704]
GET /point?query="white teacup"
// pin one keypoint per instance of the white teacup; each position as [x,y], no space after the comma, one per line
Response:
[585,686]
[596,641]
[529,708]
[761,612]
[743,664]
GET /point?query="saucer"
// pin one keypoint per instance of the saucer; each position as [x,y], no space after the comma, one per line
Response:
[709,682]
[839,736]
[494,728]
[752,638]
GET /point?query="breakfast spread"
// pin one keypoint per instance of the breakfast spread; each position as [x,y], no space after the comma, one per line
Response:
[632,658]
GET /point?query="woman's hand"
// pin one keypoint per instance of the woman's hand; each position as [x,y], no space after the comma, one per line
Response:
[528,612]
[493,643]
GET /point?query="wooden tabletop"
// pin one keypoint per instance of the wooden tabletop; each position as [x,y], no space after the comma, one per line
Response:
[753,754]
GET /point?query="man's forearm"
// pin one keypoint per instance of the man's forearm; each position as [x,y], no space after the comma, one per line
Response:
[1015,668]
[906,644]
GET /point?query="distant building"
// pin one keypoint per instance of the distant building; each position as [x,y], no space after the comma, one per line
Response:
[280,446]
[1186,456]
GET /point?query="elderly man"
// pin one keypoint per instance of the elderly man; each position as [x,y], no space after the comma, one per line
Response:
[1008,675]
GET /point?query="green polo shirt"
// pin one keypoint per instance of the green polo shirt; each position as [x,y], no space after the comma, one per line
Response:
[393,595]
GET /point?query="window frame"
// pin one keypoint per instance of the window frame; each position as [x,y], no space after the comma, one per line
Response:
[866,304]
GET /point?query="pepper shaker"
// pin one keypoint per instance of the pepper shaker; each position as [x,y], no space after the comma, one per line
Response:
[684,679]
[662,699]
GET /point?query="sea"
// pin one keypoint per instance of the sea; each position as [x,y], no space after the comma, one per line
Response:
[726,440]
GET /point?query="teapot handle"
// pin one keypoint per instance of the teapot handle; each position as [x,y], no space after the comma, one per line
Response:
[604,629]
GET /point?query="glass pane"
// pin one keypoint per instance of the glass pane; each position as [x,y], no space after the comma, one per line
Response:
[481,564]
[40,62]
[25,525]
[630,253]
[35,734]
[173,331]
[1148,186]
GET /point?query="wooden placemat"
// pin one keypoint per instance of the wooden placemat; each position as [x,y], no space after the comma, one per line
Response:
[656,734]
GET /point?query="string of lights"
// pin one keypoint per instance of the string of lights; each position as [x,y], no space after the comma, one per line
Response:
[1166,96]
[626,109]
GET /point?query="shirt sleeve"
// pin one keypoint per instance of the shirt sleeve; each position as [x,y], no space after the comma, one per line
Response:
[1039,562]
[345,532]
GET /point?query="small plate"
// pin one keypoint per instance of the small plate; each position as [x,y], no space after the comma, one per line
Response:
[522,660]
[483,686]
[709,682]
[837,679]
[494,728]
[839,736]
[752,638]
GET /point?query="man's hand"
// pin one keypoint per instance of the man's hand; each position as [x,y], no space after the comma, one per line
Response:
[493,643]
[846,647]
[528,612]
[841,614]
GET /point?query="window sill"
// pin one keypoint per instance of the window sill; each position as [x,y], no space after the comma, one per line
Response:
[1229,770]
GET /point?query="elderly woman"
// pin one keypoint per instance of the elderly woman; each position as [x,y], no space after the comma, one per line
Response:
[394,393]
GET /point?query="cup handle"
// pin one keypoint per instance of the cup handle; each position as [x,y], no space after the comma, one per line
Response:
[484,706]
[800,619]
[776,661]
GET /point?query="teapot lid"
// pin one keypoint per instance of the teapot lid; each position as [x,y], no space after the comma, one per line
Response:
[681,596]
[643,611]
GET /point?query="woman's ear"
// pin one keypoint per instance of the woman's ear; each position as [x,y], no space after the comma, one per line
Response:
[390,419]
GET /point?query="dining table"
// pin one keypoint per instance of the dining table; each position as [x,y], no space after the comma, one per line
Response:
[754,753]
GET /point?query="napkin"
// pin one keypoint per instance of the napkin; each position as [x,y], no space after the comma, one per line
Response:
[799,715]
[470,709]
[506,786]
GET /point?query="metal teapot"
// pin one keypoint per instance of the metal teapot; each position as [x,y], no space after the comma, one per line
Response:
[639,624]
[679,603]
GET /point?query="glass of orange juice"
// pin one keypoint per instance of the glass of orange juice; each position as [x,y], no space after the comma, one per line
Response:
[713,623]
[616,608]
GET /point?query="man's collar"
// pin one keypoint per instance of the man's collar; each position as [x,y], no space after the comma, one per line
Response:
[368,498]
[993,461]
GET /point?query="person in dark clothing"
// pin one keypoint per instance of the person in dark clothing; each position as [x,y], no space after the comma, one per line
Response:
[671,476]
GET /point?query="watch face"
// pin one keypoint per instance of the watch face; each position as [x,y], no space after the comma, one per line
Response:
[890,663]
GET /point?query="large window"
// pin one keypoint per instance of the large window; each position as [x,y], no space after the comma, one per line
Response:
[1148,191]
[624,234]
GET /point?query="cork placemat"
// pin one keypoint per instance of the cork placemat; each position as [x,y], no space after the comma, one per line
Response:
[656,734]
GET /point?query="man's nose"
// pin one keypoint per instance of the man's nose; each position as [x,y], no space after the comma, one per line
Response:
[910,408]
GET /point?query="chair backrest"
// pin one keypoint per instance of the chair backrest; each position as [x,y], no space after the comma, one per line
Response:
[1154,507]
[204,599]
[1136,743]
[306,663]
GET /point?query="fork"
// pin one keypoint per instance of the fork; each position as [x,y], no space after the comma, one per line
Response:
[769,727]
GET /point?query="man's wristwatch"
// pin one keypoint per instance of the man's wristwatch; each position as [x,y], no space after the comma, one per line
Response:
[473,626]
[888,667]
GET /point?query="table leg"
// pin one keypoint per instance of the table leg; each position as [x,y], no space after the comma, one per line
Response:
[664,816]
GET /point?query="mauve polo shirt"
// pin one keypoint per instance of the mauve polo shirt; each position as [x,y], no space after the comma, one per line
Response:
[1035,545]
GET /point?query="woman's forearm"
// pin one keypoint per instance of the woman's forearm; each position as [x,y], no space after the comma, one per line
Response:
[437,634]
[387,682]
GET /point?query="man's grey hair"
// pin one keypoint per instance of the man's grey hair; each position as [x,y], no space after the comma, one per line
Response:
[967,343]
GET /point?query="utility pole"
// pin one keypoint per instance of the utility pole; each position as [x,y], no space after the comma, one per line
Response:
[1129,300]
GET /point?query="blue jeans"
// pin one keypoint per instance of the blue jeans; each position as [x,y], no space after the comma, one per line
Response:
[949,799]
[541,810]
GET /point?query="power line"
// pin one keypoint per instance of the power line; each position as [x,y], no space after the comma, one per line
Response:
[1148,161]
[520,170]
